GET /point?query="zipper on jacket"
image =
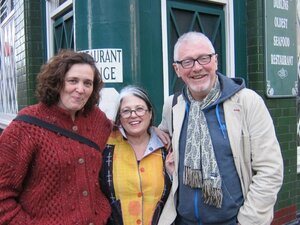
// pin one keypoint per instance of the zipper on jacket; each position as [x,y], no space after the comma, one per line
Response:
[196,211]
[222,125]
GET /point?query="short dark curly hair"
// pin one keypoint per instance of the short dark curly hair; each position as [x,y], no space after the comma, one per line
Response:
[51,78]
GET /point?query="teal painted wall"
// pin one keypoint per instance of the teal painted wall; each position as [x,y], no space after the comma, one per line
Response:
[133,26]
[151,76]
[240,39]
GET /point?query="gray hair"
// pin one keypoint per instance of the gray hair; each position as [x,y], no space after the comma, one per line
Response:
[191,36]
[135,91]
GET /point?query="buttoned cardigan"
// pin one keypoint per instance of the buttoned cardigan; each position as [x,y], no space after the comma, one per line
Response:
[49,179]
[136,190]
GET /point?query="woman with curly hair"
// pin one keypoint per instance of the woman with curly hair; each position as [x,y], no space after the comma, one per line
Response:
[49,177]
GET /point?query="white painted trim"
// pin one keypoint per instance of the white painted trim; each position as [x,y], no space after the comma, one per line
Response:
[57,11]
[52,11]
[74,25]
[8,17]
[223,2]
[49,30]
[229,32]
[164,32]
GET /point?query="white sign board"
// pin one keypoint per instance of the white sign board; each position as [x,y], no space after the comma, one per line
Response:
[109,102]
[109,61]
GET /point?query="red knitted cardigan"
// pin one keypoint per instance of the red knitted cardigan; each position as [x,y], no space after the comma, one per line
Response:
[49,179]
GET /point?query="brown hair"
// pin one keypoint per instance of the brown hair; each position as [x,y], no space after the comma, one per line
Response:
[51,78]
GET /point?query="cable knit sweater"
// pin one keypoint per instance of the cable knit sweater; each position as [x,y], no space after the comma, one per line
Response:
[49,179]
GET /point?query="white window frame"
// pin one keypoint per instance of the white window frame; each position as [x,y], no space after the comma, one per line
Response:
[53,10]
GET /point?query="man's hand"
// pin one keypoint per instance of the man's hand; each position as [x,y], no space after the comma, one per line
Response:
[164,137]
[170,165]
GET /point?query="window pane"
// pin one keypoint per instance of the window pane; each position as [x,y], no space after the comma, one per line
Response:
[8,85]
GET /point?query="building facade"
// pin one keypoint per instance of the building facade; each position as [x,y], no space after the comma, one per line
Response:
[132,42]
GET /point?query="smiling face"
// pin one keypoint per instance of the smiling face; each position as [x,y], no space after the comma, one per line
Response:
[200,78]
[77,88]
[135,125]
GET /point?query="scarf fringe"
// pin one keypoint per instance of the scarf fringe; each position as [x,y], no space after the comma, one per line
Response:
[211,196]
[191,177]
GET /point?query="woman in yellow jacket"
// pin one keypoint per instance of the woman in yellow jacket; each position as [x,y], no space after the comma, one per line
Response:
[134,176]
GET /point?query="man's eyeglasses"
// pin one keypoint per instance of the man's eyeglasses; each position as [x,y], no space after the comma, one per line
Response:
[139,111]
[189,63]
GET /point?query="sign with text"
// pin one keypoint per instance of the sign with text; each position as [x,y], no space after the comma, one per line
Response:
[281,48]
[109,62]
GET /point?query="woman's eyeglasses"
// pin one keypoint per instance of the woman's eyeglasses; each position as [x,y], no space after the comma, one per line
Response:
[139,111]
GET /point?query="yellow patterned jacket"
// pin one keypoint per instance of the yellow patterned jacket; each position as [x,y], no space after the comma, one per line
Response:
[137,191]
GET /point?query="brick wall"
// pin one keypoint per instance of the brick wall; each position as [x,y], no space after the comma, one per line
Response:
[282,110]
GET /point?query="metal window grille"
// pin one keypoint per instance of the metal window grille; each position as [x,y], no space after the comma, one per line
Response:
[6,6]
[8,85]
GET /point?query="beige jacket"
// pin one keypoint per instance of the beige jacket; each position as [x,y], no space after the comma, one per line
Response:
[255,149]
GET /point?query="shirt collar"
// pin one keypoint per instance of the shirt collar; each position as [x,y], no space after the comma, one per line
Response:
[154,142]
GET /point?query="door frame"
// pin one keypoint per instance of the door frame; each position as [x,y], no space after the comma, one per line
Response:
[52,12]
